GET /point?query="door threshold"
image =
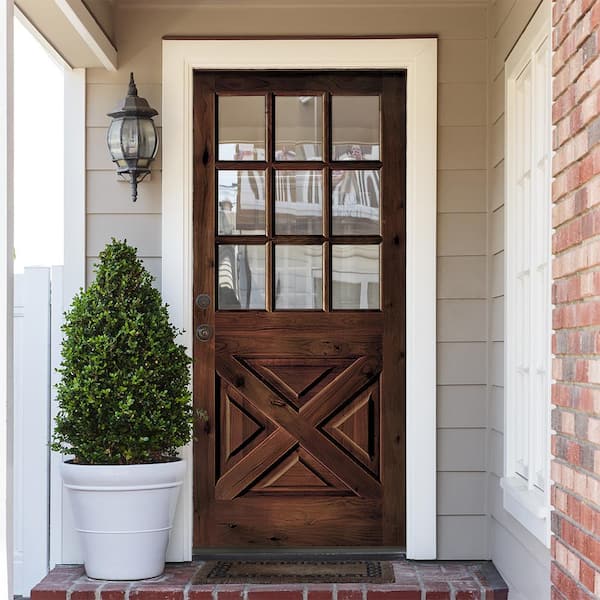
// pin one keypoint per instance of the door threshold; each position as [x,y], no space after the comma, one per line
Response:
[298,554]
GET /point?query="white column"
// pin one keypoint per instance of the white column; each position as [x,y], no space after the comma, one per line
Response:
[64,543]
[74,183]
[6,296]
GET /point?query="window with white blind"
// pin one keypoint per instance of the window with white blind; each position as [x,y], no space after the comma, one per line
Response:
[528,163]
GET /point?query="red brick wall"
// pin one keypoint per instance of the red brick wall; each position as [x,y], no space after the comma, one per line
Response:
[576,295]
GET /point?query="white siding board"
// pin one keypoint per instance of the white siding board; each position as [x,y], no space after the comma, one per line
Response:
[461,449]
[104,98]
[143,28]
[462,191]
[494,495]
[497,97]
[500,10]
[496,453]
[496,420]
[461,277]
[497,319]
[140,231]
[497,142]
[497,237]
[497,192]
[461,406]
[497,368]
[461,320]
[461,493]
[461,234]
[462,61]
[511,29]
[461,363]
[497,275]
[526,575]
[109,194]
[462,537]
[462,32]
[462,104]
[520,557]
[461,147]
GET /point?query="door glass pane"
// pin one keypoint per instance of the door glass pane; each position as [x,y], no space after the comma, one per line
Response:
[355,202]
[299,202]
[241,127]
[299,277]
[241,277]
[298,127]
[241,202]
[355,273]
[355,127]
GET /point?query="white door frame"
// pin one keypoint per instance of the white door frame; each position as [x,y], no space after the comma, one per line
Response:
[6,298]
[419,58]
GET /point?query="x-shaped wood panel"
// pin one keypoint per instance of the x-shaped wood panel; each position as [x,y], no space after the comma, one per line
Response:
[297,427]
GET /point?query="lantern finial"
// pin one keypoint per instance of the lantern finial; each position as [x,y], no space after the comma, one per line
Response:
[132,91]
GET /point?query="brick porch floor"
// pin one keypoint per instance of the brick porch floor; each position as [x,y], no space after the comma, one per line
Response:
[456,580]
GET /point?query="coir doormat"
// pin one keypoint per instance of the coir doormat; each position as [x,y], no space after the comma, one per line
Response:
[305,571]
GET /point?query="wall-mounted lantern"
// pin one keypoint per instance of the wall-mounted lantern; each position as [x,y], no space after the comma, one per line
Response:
[132,139]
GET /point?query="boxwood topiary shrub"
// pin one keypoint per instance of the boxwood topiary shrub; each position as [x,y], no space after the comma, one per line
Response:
[124,394]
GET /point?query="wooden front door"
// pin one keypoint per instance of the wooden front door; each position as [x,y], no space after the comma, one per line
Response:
[299,277]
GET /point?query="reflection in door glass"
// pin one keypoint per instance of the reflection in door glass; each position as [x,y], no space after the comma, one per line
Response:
[355,274]
[299,277]
[355,127]
[241,277]
[241,198]
[298,128]
[298,202]
[241,127]
[355,202]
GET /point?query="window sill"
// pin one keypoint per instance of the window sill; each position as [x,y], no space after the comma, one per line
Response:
[529,507]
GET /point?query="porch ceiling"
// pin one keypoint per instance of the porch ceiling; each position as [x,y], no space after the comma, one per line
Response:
[78,35]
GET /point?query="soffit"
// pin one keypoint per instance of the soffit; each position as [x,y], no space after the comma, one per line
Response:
[53,24]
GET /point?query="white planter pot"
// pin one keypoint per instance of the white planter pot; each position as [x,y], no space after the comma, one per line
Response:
[124,514]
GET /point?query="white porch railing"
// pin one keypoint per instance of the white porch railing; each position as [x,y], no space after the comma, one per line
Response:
[38,308]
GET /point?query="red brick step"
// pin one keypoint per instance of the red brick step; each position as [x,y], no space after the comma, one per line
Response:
[439,580]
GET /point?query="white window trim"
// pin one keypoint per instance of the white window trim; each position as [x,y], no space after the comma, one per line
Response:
[419,58]
[531,507]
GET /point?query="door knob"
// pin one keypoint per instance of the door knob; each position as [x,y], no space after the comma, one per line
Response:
[204,332]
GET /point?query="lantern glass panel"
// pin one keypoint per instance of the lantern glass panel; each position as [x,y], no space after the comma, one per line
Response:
[148,142]
[114,139]
[132,138]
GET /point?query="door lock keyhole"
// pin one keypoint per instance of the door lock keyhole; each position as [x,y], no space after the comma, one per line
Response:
[204,332]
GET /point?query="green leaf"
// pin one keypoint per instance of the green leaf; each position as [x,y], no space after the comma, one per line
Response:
[124,392]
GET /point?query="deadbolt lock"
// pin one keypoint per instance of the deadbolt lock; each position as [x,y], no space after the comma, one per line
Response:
[204,332]
[203,301]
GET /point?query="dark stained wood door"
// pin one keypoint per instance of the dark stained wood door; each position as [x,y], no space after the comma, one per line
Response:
[299,277]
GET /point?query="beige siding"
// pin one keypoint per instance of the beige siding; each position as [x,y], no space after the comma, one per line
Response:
[523,561]
[462,243]
[461,406]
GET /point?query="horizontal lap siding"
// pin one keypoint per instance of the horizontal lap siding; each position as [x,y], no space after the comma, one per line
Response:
[462,271]
[523,561]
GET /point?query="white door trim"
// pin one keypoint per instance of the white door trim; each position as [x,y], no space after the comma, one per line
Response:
[419,58]
[6,298]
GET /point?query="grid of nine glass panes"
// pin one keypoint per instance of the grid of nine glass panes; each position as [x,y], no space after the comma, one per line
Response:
[270,167]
